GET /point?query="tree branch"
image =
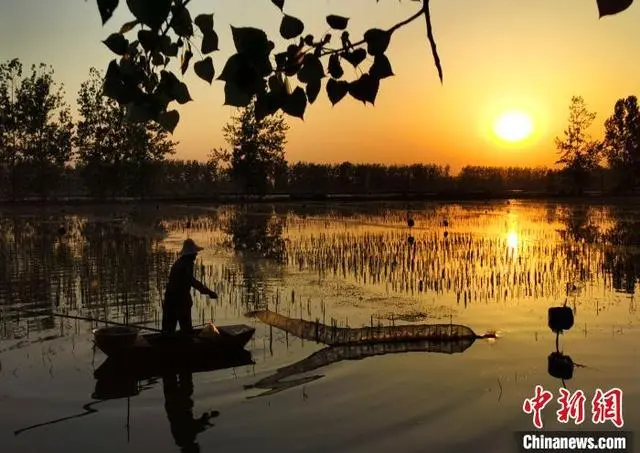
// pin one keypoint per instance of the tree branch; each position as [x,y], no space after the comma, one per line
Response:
[390,31]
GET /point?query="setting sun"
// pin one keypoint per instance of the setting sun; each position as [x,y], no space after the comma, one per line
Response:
[513,126]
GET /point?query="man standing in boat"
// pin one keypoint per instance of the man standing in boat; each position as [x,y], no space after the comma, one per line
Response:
[176,307]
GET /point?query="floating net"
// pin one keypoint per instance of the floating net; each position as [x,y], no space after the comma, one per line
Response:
[333,335]
[284,378]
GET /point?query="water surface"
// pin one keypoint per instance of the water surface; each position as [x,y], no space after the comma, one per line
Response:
[490,266]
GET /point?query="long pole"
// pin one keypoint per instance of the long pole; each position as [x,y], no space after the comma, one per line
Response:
[83,318]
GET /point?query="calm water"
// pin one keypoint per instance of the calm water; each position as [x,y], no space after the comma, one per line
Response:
[490,266]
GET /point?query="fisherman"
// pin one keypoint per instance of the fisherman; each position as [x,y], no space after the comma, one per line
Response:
[176,307]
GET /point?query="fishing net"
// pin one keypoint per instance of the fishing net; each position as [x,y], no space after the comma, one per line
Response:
[284,378]
[333,335]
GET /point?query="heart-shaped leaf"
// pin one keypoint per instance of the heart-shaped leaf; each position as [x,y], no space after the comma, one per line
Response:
[251,41]
[336,90]
[117,43]
[181,22]
[313,90]
[152,13]
[204,69]
[169,120]
[365,88]
[106,8]
[278,3]
[311,69]
[611,7]
[337,22]
[381,68]
[377,41]
[296,103]
[356,57]
[291,27]
[204,22]
[209,42]
[335,69]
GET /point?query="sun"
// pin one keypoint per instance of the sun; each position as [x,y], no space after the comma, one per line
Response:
[513,126]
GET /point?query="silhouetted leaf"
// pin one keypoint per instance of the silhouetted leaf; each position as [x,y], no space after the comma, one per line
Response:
[169,120]
[281,60]
[106,8]
[278,3]
[313,89]
[267,104]
[251,41]
[113,86]
[611,7]
[311,69]
[381,68]
[152,13]
[337,90]
[185,61]
[180,93]
[296,103]
[117,43]
[234,96]
[365,88]
[128,26]
[377,41]
[356,57]
[171,50]
[291,27]
[204,22]
[335,69]
[181,22]
[277,85]
[337,22]
[157,59]
[204,69]
[209,42]
[148,40]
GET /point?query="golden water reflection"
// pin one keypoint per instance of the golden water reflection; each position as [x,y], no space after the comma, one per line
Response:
[347,261]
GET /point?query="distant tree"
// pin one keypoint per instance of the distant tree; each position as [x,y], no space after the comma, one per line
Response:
[257,144]
[36,129]
[578,152]
[10,130]
[141,80]
[622,142]
[116,153]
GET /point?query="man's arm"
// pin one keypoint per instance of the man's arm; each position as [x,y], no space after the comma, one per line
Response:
[199,286]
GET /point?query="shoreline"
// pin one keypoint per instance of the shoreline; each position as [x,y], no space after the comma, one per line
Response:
[222,199]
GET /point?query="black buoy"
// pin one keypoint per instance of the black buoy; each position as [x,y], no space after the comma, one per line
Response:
[560,318]
[445,223]
[560,366]
[446,233]
[411,240]
[410,222]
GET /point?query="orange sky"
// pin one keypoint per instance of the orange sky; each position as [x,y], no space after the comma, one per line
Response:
[497,55]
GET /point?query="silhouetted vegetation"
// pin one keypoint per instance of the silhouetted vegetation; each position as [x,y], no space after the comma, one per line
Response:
[141,81]
[112,152]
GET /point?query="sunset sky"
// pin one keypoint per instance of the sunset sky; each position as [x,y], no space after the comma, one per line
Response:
[497,55]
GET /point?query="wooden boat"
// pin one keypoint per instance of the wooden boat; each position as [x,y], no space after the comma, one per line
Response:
[126,343]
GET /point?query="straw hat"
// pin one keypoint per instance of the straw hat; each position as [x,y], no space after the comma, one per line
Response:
[189,248]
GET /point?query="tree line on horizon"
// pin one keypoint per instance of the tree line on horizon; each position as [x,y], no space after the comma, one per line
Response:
[108,152]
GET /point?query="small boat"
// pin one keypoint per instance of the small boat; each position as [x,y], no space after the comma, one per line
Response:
[126,343]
